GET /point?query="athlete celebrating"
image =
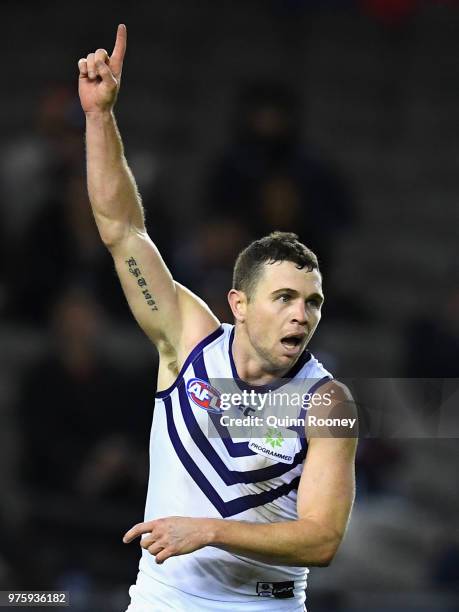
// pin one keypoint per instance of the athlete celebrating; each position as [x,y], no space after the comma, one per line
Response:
[237,523]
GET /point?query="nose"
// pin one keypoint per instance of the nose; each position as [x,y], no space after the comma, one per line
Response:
[300,314]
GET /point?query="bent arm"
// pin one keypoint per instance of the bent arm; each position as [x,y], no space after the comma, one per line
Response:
[303,542]
[325,495]
[325,498]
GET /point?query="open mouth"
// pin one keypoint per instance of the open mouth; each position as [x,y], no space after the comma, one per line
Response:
[292,342]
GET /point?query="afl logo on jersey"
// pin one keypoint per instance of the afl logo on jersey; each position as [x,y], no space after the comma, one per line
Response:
[204,395]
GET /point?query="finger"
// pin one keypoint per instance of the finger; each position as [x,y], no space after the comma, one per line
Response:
[117,56]
[83,68]
[105,73]
[147,541]
[163,555]
[155,548]
[137,530]
[101,56]
[91,66]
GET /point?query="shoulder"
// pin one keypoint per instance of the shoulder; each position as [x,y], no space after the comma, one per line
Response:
[333,413]
[338,390]
[313,371]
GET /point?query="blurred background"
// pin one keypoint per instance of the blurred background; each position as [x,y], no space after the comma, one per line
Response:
[337,120]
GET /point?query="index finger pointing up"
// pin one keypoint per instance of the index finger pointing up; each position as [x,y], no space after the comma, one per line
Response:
[117,57]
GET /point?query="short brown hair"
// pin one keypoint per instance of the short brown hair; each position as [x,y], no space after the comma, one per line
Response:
[278,246]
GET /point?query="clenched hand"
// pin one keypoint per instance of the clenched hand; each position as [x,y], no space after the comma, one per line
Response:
[100,76]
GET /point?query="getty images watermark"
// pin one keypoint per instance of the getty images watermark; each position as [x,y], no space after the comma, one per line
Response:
[270,418]
[381,408]
[250,401]
[273,423]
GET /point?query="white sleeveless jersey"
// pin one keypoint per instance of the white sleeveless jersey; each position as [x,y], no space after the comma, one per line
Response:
[196,475]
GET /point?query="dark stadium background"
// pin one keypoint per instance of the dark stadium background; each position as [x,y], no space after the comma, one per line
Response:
[339,120]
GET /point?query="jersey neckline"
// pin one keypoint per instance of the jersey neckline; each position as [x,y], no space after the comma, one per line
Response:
[276,384]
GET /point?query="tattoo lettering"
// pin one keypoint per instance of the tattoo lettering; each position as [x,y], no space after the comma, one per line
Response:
[135,271]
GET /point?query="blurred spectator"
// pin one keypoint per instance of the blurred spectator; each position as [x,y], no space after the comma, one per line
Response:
[84,468]
[62,246]
[432,342]
[161,223]
[32,166]
[9,559]
[82,418]
[205,260]
[376,460]
[268,179]
[445,566]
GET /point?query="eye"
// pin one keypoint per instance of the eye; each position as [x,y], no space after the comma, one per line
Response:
[314,302]
[285,297]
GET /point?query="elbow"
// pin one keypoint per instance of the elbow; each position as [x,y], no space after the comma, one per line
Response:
[111,242]
[114,233]
[326,558]
[323,553]
[111,233]
[329,549]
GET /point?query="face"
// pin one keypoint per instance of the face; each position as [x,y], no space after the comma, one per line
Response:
[283,313]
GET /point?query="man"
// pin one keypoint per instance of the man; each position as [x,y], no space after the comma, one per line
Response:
[236,524]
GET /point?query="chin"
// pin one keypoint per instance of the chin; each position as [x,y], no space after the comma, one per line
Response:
[290,359]
[285,361]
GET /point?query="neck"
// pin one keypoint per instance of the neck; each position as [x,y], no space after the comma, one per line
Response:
[250,366]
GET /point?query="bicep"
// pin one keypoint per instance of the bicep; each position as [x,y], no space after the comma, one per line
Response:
[327,486]
[167,312]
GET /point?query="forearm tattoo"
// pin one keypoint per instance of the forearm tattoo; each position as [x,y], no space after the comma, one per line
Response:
[135,271]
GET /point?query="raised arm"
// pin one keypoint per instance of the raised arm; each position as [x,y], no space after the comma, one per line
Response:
[172,317]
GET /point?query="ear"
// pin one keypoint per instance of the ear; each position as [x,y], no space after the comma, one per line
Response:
[238,304]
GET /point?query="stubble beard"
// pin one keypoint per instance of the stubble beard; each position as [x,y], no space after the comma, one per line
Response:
[270,364]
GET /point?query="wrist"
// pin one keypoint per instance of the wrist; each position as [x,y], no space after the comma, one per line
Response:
[213,530]
[99,115]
